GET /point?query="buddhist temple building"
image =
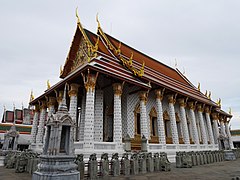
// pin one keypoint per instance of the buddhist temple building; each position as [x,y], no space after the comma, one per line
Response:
[115,91]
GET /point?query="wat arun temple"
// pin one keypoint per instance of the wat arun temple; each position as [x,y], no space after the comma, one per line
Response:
[116,97]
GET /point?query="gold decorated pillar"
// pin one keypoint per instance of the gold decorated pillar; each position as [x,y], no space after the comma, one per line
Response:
[209,125]
[193,122]
[215,127]
[183,117]
[40,133]
[172,117]
[51,105]
[89,80]
[143,114]
[117,116]
[160,122]
[202,124]
[34,126]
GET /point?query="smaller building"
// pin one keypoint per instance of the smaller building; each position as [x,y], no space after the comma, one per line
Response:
[22,118]
[236,137]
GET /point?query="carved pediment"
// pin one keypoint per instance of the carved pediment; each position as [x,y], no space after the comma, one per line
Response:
[153,112]
[166,116]
[67,120]
[81,55]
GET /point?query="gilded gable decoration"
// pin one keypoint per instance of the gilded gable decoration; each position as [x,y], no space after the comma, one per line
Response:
[126,61]
[90,49]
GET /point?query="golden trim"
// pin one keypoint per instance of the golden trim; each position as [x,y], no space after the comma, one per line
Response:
[74,89]
[48,84]
[117,52]
[92,49]
[90,81]
[199,86]
[117,88]
[143,95]
[219,102]
[209,95]
[31,96]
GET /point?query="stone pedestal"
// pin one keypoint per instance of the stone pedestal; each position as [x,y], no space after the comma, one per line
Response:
[229,155]
[61,168]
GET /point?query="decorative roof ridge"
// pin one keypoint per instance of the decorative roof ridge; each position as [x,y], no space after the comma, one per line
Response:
[92,49]
[117,52]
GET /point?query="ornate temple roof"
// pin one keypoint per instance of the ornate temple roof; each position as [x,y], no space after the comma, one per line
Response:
[110,56]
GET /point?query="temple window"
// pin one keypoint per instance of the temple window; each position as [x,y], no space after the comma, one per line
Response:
[167,127]
[153,126]
[137,120]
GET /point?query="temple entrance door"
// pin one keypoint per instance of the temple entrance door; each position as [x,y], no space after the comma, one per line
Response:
[108,124]
[153,127]
[136,141]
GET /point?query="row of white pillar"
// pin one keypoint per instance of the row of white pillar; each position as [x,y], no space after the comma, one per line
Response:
[88,129]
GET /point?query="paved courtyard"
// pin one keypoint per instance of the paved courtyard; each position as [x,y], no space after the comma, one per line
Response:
[219,171]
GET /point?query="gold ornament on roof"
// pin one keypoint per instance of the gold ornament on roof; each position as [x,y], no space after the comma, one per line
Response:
[206,93]
[219,102]
[127,62]
[61,70]
[209,95]
[92,49]
[31,96]
[199,86]
[230,111]
[48,84]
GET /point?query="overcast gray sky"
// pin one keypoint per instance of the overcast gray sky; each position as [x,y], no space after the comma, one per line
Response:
[203,36]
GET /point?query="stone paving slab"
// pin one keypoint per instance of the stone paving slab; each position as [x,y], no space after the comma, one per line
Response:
[220,171]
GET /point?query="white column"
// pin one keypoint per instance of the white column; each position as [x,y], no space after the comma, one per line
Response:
[222,128]
[117,116]
[172,117]
[209,125]
[51,105]
[229,134]
[98,117]
[202,124]
[193,123]
[40,134]
[73,106]
[82,120]
[215,127]
[89,82]
[160,122]
[184,121]
[143,114]
[51,109]
[34,125]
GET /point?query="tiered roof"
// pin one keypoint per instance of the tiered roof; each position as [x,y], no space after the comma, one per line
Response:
[115,58]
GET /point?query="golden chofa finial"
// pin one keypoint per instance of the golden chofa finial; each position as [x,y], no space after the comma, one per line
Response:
[230,111]
[199,86]
[209,95]
[48,84]
[78,19]
[206,93]
[219,102]
[98,21]
[61,70]
[31,96]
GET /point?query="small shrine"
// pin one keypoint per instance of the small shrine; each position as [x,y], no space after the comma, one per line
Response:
[11,139]
[57,160]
